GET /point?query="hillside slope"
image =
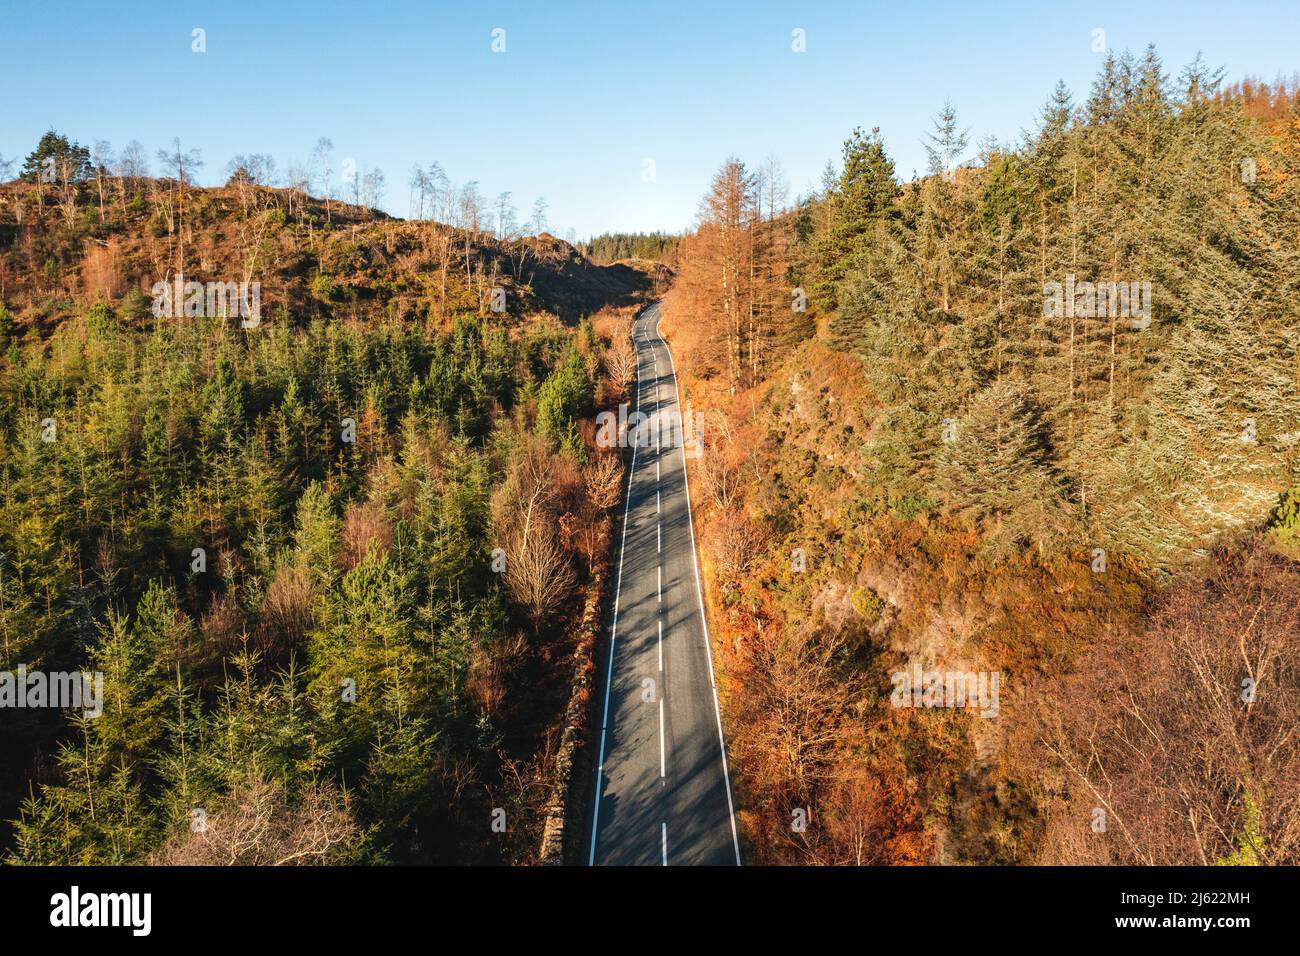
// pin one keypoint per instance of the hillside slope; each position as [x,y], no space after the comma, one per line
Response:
[332,569]
[936,482]
[60,249]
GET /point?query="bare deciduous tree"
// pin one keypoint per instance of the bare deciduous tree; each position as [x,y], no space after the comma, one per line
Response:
[718,464]
[538,575]
[1187,743]
[101,161]
[320,155]
[257,826]
[738,541]
[620,362]
[604,480]
[180,164]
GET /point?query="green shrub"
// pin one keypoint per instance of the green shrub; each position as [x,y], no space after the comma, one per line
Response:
[1285,525]
[100,320]
[324,288]
[565,396]
[867,603]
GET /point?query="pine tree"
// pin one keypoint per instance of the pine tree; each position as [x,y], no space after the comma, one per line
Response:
[858,203]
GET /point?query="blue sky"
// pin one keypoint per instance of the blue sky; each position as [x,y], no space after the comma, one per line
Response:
[585,92]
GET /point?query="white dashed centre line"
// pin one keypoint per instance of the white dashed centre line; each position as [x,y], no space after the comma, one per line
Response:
[613,638]
[661,737]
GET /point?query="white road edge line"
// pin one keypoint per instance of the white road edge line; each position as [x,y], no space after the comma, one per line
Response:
[659,538]
[708,649]
[659,582]
[609,672]
[661,646]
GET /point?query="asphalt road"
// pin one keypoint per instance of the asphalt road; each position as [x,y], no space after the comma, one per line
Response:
[663,796]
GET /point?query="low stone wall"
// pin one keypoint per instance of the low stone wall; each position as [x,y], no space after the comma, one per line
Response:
[575,721]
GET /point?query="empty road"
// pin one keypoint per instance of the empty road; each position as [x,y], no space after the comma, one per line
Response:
[663,796]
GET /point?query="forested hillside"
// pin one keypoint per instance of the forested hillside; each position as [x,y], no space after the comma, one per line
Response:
[1032,415]
[330,562]
[616,246]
